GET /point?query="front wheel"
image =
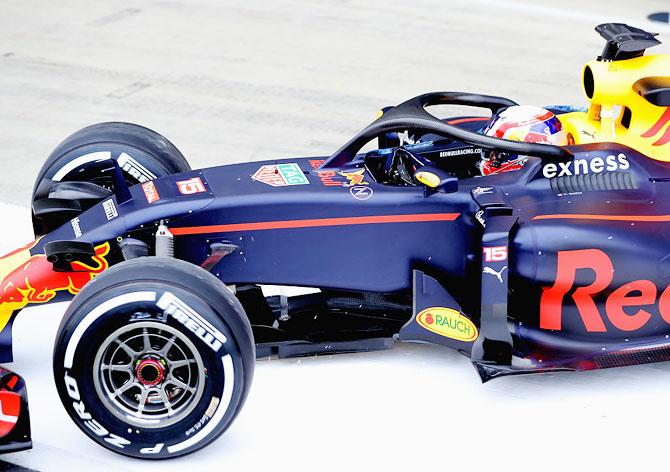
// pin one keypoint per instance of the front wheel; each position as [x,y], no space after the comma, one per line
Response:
[154,358]
[79,172]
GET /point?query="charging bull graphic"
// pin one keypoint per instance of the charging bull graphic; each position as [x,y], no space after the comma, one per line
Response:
[354,177]
[31,279]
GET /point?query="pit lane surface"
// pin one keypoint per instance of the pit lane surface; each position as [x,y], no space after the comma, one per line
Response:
[229,82]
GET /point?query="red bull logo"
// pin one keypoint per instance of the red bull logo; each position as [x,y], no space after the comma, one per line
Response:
[328,178]
[356,177]
[624,306]
[31,278]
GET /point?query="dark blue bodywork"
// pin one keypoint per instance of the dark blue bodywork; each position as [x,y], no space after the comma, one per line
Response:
[317,235]
[560,265]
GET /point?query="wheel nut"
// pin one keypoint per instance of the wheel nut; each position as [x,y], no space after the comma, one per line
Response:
[150,372]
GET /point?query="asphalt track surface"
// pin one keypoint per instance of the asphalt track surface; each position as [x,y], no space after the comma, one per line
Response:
[243,81]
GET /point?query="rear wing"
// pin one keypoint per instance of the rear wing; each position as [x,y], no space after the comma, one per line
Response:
[624,42]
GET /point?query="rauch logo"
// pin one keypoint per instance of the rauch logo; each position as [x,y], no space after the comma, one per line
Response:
[447,322]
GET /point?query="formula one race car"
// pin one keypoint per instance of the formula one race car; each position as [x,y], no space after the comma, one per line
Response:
[474,233]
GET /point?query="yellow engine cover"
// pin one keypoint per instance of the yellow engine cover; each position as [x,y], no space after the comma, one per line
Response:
[618,112]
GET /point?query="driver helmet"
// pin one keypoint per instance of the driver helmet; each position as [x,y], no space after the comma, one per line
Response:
[520,123]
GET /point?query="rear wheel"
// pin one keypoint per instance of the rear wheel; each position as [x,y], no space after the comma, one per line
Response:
[79,172]
[154,358]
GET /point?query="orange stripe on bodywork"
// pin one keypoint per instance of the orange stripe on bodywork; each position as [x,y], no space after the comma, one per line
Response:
[657,127]
[662,121]
[467,120]
[315,223]
[640,218]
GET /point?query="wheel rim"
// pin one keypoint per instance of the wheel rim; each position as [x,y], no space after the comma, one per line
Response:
[99,172]
[149,374]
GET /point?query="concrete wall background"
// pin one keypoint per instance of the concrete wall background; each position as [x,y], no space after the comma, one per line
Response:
[261,79]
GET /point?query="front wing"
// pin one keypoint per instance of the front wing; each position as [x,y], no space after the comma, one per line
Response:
[14,415]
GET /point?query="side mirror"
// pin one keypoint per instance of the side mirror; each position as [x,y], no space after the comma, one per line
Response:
[436,180]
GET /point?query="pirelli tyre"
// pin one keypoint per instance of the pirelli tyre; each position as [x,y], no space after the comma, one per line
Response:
[86,156]
[154,358]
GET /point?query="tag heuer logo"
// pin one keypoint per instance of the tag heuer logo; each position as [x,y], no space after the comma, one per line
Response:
[280,175]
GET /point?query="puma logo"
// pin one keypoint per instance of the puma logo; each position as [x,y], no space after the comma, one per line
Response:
[591,135]
[488,270]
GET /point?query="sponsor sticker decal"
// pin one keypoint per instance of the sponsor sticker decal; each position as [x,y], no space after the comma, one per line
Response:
[447,322]
[361,192]
[191,186]
[76,227]
[627,306]
[495,254]
[596,165]
[356,177]
[590,135]
[280,175]
[479,216]
[460,152]
[498,274]
[328,178]
[427,178]
[150,192]
[110,209]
